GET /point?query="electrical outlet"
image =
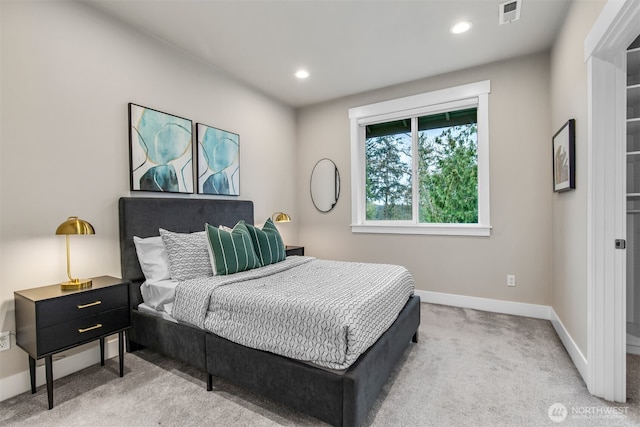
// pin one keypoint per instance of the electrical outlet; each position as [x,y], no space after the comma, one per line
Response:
[511,280]
[5,341]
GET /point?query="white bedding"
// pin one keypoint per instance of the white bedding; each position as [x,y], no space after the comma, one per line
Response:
[144,308]
[323,312]
[159,295]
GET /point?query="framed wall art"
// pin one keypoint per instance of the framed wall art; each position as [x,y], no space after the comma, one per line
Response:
[564,157]
[218,154]
[161,154]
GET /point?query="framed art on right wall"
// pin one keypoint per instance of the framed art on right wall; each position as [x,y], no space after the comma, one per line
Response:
[564,157]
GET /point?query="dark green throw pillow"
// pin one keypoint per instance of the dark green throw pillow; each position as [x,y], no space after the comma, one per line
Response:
[231,251]
[267,243]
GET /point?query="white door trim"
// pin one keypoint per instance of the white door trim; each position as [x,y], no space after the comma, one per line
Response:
[605,47]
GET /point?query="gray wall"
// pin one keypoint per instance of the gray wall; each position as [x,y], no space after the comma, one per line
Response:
[520,171]
[569,101]
[67,76]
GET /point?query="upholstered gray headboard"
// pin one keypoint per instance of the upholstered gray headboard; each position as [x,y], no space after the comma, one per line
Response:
[143,216]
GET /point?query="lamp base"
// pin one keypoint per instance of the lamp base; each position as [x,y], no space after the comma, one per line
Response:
[76,284]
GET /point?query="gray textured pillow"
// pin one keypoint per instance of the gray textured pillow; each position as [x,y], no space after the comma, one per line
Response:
[188,254]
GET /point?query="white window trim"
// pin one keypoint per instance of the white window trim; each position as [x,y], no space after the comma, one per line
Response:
[476,94]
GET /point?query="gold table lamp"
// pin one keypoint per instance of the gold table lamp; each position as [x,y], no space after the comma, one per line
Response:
[280,217]
[74,225]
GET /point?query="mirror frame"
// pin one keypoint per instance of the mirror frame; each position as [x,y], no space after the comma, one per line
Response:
[336,185]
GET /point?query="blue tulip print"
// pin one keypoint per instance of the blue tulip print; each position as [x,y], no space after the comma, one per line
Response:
[161,158]
[218,161]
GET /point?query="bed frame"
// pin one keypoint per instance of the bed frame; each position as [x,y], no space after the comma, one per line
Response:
[340,399]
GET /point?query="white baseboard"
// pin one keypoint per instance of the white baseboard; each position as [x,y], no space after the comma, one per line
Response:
[574,352]
[21,382]
[486,304]
[518,309]
[632,349]
[633,344]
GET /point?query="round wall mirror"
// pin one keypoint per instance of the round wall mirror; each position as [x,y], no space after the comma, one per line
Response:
[325,185]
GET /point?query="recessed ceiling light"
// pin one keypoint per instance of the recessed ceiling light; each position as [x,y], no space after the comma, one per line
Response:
[302,74]
[460,27]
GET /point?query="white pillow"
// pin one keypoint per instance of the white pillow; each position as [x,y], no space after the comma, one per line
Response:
[188,254]
[153,258]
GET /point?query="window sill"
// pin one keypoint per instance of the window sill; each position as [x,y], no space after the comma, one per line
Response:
[430,229]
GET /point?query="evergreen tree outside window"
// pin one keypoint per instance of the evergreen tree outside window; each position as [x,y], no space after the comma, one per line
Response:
[448,168]
[388,147]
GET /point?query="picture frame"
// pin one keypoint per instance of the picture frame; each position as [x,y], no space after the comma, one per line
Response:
[218,157]
[564,158]
[160,151]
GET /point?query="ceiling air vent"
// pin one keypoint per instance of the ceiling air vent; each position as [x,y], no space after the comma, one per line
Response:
[509,11]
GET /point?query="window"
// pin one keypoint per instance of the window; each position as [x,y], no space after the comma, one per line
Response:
[420,164]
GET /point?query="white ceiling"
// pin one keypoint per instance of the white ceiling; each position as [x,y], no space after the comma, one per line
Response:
[347,46]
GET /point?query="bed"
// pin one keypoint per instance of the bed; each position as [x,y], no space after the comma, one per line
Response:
[340,398]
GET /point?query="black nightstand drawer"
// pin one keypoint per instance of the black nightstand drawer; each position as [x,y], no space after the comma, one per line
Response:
[49,320]
[59,310]
[74,332]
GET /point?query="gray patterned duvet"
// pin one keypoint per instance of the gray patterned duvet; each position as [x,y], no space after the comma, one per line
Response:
[323,312]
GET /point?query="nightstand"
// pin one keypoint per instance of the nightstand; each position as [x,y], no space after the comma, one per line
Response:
[50,320]
[294,250]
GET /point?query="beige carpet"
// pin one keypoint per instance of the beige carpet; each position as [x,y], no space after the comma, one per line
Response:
[470,368]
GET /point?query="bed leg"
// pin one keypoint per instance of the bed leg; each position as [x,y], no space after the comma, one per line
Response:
[209,382]
[131,345]
[415,337]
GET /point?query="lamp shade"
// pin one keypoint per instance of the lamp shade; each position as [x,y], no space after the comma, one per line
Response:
[281,217]
[75,225]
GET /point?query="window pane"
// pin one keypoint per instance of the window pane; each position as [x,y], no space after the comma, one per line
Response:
[448,167]
[388,169]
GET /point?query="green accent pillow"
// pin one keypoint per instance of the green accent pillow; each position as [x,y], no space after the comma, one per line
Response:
[231,251]
[267,243]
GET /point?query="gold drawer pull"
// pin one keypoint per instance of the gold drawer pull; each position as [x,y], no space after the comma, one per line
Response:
[91,304]
[99,325]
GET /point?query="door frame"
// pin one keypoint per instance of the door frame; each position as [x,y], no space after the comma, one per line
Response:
[605,54]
